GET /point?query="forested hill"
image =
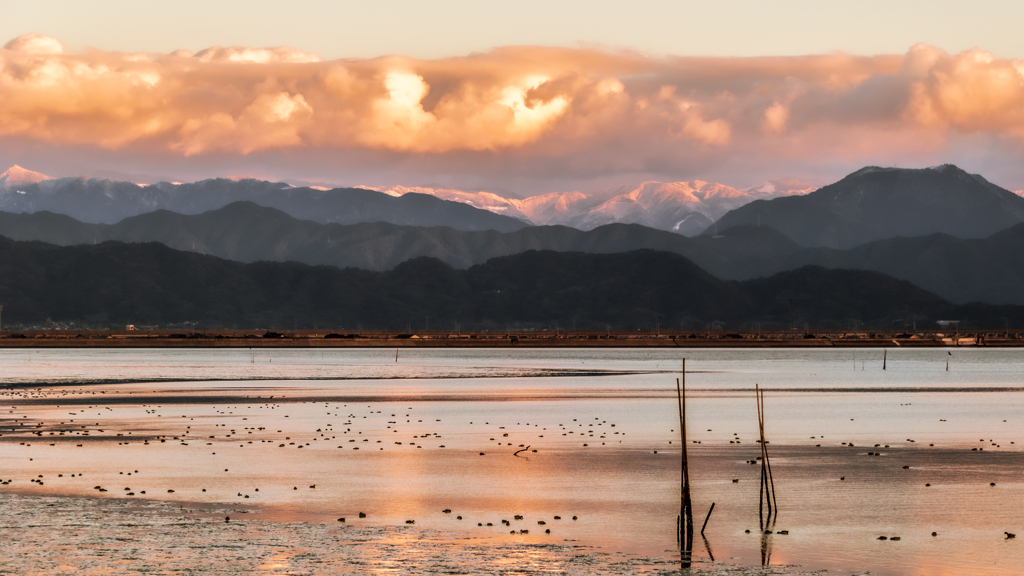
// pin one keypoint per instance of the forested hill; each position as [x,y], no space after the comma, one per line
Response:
[112,284]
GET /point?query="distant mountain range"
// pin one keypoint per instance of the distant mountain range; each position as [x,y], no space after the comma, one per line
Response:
[246,232]
[687,208]
[877,203]
[959,270]
[109,201]
[870,204]
[683,207]
[966,257]
[115,284]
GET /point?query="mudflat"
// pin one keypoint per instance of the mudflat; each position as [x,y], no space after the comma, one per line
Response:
[567,460]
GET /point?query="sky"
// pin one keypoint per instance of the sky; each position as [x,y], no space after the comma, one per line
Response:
[518,98]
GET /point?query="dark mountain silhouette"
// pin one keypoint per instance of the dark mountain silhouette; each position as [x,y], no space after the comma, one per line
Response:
[115,283]
[877,203]
[108,201]
[960,270]
[985,270]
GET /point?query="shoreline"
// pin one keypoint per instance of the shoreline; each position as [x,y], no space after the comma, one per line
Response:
[539,339]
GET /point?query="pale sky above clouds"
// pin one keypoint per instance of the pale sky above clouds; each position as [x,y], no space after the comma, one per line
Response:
[445,28]
[522,96]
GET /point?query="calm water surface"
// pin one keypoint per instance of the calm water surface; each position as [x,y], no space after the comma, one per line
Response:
[437,429]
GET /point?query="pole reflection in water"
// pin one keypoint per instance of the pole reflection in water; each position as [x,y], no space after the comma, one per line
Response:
[766,547]
[405,442]
[707,546]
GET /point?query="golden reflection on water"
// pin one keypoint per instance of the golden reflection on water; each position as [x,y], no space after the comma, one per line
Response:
[277,563]
[620,481]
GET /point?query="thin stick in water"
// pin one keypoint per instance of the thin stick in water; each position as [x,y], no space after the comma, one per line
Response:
[706,518]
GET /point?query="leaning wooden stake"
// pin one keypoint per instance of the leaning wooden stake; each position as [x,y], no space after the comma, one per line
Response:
[706,518]
[761,499]
[767,491]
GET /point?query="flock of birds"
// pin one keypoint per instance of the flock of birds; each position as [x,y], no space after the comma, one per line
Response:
[100,424]
[258,422]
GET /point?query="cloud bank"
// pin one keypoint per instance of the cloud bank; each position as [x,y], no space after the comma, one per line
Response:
[515,110]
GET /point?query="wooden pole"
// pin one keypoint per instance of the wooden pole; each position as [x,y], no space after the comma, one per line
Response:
[760,432]
[764,453]
[685,507]
[682,465]
[768,461]
[767,492]
[688,505]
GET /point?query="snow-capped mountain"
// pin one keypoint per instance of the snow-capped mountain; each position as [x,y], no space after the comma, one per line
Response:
[687,208]
[100,200]
[16,175]
[684,207]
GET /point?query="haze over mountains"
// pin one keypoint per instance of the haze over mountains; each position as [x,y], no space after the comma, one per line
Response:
[684,207]
[246,232]
[959,270]
[870,204]
[933,225]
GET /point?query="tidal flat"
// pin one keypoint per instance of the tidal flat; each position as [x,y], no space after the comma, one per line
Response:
[507,461]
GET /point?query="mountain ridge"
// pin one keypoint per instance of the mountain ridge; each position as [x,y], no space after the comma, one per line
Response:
[118,283]
[109,201]
[960,270]
[875,203]
[683,207]
[247,232]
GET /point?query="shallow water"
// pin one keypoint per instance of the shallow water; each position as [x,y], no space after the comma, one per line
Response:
[604,427]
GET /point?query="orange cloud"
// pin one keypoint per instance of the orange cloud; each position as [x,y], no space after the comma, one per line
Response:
[587,109]
[972,91]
